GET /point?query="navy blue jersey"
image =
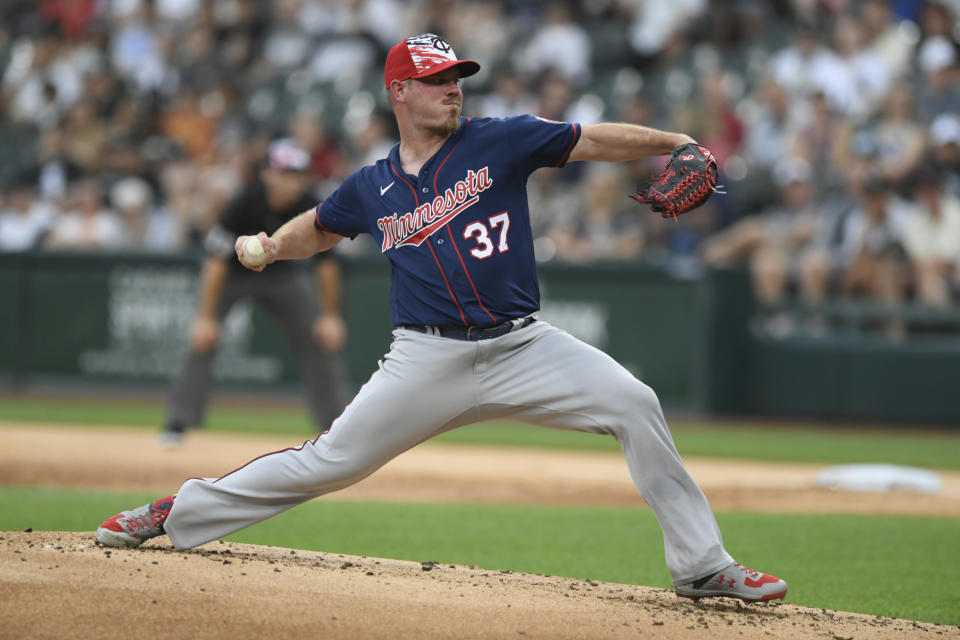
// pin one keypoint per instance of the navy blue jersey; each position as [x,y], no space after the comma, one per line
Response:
[458,234]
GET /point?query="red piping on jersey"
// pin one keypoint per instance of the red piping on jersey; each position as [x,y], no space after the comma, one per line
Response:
[416,199]
[314,441]
[467,272]
[449,290]
[453,240]
[316,219]
[566,154]
[437,172]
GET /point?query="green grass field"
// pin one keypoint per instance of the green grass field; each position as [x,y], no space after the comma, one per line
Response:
[892,566]
[901,567]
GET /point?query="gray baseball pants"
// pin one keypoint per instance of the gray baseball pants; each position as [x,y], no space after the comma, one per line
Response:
[292,306]
[426,385]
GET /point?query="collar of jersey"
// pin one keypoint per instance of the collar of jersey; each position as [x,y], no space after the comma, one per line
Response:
[441,153]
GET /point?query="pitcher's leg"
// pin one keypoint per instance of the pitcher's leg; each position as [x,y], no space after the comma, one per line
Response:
[692,541]
[558,381]
[419,390]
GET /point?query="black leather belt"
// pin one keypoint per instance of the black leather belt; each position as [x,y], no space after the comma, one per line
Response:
[472,333]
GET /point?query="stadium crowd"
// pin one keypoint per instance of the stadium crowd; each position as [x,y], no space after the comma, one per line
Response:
[128,124]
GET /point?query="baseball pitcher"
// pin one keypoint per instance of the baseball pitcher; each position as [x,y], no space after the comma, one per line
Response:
[448,209]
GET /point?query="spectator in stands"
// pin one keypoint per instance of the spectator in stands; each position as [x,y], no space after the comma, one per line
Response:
[607,226]
[146,226]
[945,148]
[197,58]
[866,78]
[886,37]
[898,137]
[286,44]
[186,122]
[85,137]
[139,52]
[309,129]
[818,137]
[56,171]
[932,238]
[712,117]
[487,34]
[872,258]
[555,97]
[24,219]
[559,45]
[373,139]
[194,193]
[938,21]
[72,18]
[771,120]
[87,224]
[779,245]
[938,86]
[656,24]
[155,75]
[39,85]
[509,97]
[806,67]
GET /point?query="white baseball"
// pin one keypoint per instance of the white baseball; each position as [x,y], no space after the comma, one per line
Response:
[253,253]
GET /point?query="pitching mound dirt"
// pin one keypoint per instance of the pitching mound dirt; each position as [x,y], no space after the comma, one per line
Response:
[60,585]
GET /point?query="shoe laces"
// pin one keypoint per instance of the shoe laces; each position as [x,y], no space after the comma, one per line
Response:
[151,517]
[144,522]
[753,573]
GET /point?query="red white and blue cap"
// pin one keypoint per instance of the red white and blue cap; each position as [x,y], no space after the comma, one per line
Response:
[421,56]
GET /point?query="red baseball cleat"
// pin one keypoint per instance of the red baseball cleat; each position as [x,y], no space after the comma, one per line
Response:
[131,528]
[735,581]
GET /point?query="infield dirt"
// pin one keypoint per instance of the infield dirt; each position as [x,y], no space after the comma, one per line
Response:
[60,585]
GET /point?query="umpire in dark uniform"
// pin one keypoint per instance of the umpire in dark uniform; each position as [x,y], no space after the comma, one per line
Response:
[315,332]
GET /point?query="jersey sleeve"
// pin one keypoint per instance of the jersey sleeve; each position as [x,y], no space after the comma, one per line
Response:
[539,142]
[342,213]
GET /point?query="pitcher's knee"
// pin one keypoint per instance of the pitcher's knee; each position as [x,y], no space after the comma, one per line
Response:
[637,409]
[636,397]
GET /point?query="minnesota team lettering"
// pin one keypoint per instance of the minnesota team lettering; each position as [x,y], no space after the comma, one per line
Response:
[415,227]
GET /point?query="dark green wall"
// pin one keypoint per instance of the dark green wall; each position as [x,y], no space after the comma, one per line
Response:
[123,320]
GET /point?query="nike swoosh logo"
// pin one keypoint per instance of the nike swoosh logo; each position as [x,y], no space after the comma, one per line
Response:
[383,190]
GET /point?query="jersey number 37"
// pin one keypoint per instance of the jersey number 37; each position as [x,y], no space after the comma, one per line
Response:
[481,234]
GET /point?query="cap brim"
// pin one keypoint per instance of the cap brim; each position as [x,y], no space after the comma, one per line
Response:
[467,68]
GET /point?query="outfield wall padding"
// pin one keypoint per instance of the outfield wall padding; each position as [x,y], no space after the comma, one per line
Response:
[122,320]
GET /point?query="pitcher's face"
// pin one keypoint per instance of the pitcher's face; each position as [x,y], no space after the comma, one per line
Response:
[436,101]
